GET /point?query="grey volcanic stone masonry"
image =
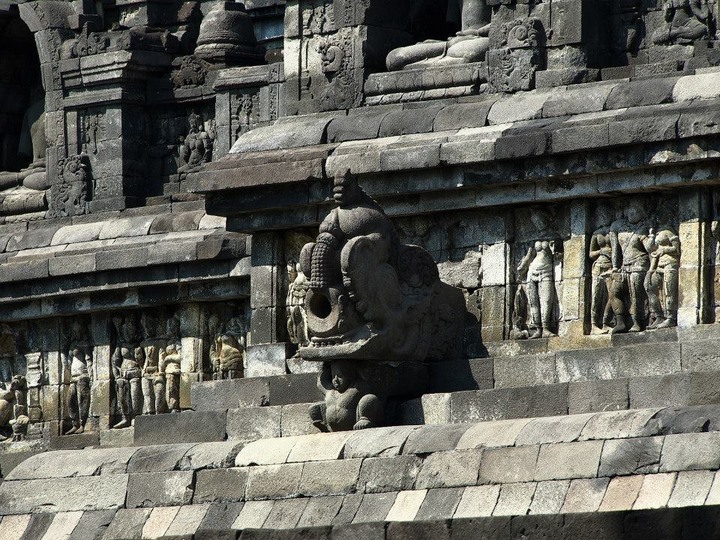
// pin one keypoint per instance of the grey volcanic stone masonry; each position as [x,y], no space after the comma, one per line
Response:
[188,426]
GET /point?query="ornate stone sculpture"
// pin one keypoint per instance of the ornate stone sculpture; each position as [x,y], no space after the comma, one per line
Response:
[13,406]
[685,22]
[661,282]
[296,316]
[227,37]
[227,351]
[70,195]
[372,300]
[153,380]
[196,147]
[469,45]
[78,358]
[538,283]
[127,360]
[601,252]
[627,293]
[170,363]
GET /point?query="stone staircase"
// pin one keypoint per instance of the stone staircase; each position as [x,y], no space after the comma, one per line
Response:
[616,440]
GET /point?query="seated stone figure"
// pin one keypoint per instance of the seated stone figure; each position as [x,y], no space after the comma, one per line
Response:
[32,145]
[469,45]
[685,21]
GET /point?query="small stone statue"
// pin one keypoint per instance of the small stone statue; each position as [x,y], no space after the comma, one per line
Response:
[170,366]
[196,147]
[153,381]
[601,255]
[296,316]
[79,361]
[349,401]
[170,363]
[627,285]
[8,399]
[469,45]
[20,424]
[662,277]
[685,22]
[7,355]
[128,360]
[538,266]
[227,351]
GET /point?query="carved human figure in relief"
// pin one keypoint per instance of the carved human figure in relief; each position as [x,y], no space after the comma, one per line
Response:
[627,285]
[128,360]
[153,381]
[227,351]
[469,45]
[7,355]
[8,400]
[196,147]
[539,267]
[685,22]
[296,316]
[601,255]
[78,358]
[170,364]
[661,281]
[349,403]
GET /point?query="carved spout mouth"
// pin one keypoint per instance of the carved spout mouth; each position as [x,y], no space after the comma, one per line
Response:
[323,312]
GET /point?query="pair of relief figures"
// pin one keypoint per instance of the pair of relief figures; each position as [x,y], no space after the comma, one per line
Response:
[634,272]
[146,365]
[685,21]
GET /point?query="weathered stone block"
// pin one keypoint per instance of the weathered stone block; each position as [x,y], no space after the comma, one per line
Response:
[655,491]
[374,507]
[273,481]
[220,486]
[568,460]
[584,495]
[589,396]
[631,456]
[160,489]
[507,465]
[379,475]
[406,505]
[508,403]
[320,511]
[63,495]
[439,504]
[691,488]
[514,499]
[379,442]
[621,493]
[553,429]
[158,458]
[187,426]
[549,497]
[284,515]
[127,523]
[433,438]
[690,451]
[253,423]
[330,478]
[448,469]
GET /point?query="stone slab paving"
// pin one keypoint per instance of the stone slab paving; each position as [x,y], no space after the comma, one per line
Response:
[602,463]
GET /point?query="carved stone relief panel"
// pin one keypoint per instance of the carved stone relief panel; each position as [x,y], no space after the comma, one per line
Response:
[77,356]
[635,260]
[225,331]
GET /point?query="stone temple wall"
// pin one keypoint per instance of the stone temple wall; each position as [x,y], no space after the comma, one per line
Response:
[475,240]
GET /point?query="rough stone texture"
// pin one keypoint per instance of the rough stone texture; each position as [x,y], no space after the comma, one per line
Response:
[514,499]
[253,423]
[655,491]
[92,524]
[690,451]
[273,481]
[159,521]
[477,501]
[549,497]
[187,520]
[63,464]
[386,474]
[584,495]
[265,452]
[318,447]
[320,511]
[285,514]
[331,478]
[621,494]
[220,516]
[439,504]
[374,507]
[568,460]
[406,505]
[127,524]
[189,426]
[378,442]
[220,485]
[506,465]
[691,488]
[63,495]
[160,489]
[158,458]
[553,430]
[253,515]
[631,456]
[492,434]
[449,469]
[434,439]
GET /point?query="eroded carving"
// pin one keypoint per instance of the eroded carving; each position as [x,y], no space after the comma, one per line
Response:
[296,316]
[661,282]
[196,147]
[77,356]
[470,44]
[70,195]
[685,22]
[536,275]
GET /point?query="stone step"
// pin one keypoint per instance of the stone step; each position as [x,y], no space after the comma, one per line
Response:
[628,358]
[623,461]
